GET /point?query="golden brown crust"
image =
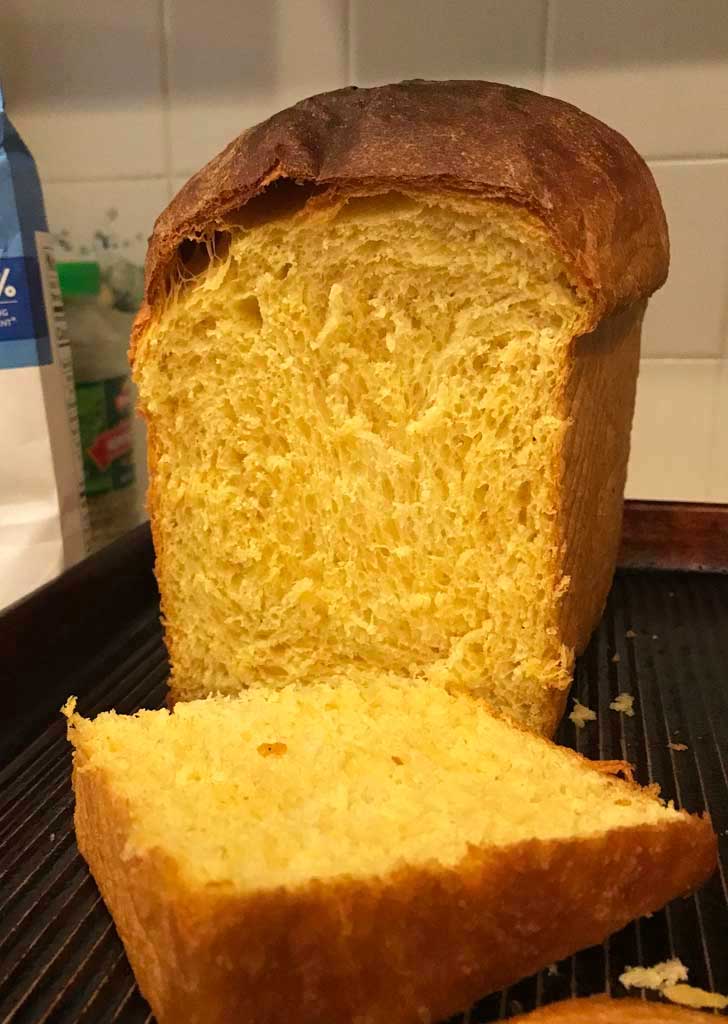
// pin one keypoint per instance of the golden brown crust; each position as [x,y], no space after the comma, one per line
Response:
[581,178]
[598,404]
[603,1010]
[427,940]
[152,506]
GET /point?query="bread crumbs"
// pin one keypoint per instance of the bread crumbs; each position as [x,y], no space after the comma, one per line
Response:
[669,972]
[630,634]
[677,746]
[669,979]
[581,715]
[615,658]
[698,998]
[624,704]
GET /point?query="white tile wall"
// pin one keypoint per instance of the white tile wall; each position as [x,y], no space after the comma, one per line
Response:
[688,315]
[396,39]
[232,64]
[121,102]
[657,70]
[83,81]
[671,441]
[119,212]
[718,466]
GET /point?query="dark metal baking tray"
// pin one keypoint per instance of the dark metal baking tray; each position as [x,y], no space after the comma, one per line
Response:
[95,632]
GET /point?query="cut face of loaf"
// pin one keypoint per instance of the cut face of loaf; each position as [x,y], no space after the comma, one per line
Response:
[374,853]
[359,418]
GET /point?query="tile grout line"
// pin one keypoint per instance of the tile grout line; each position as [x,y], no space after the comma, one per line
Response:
[548,43]
[714,454]
[105,179]
[692,160]
[687,357]
[684,161]
[721,388]
[165,26]
[349,21]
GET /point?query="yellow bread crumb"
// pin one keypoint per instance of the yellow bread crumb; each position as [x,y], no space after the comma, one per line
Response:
[581,715]
[668,978]
[624,704]
[698,998]
[669,972]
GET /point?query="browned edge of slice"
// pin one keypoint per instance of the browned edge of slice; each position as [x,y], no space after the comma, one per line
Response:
[603,1010]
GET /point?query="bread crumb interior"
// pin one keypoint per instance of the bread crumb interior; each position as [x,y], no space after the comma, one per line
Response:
[358,781]
[355,416]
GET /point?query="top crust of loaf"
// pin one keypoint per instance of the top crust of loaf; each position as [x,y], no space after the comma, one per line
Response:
[583,180]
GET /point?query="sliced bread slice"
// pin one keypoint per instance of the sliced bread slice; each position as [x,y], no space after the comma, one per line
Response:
[334,853]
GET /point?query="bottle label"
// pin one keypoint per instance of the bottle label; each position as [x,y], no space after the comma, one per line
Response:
[104,413]
[60,345]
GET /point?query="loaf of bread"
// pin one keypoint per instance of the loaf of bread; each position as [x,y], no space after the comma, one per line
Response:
[387,359]
[377,853]
[603,1010]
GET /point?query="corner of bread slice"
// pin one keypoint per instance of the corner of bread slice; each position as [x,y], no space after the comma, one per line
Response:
[388,856]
